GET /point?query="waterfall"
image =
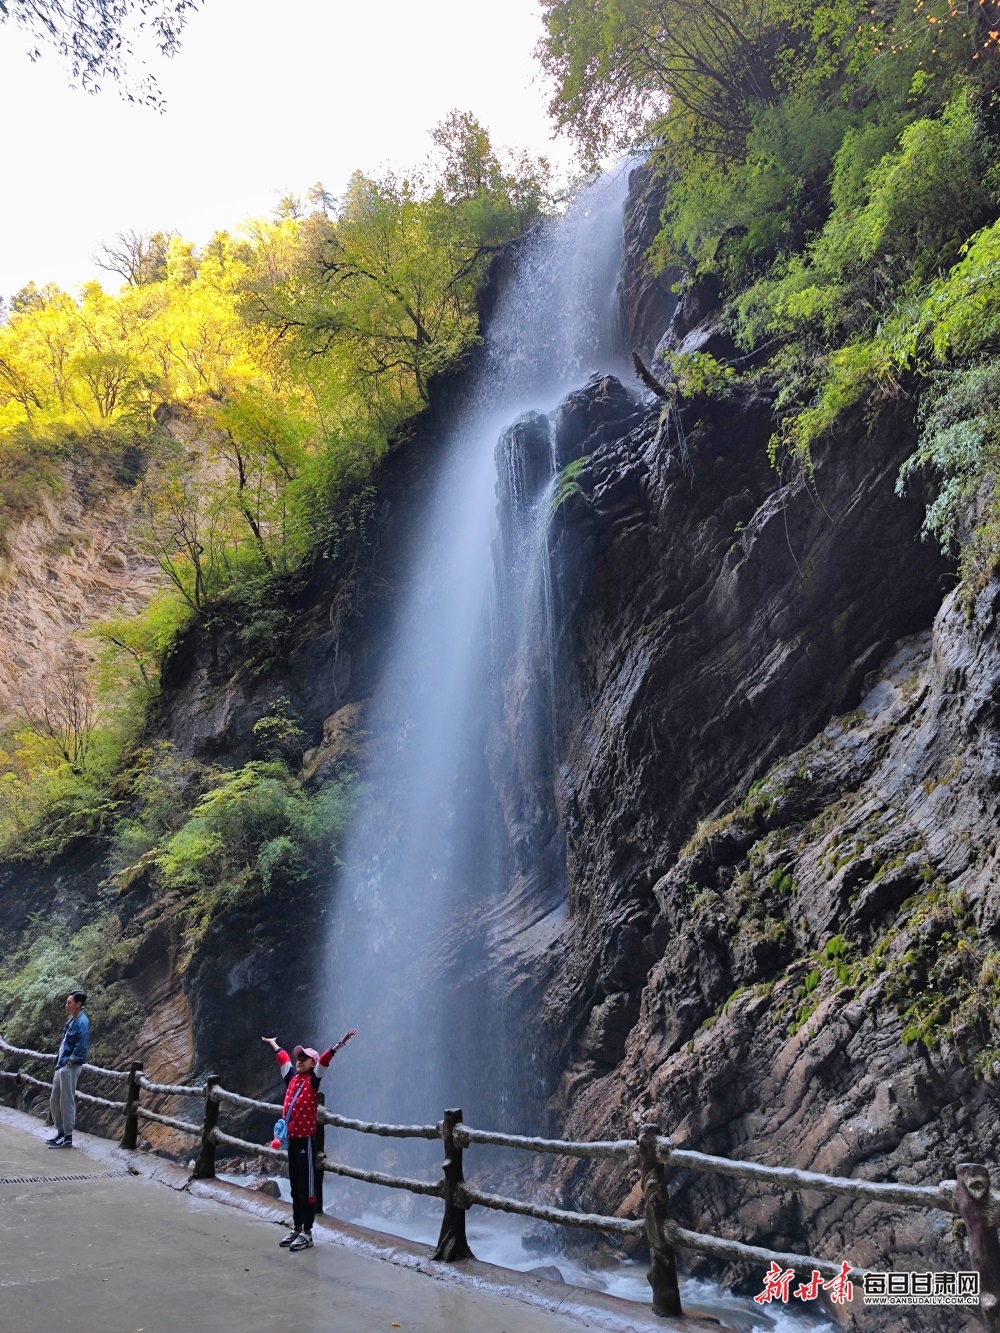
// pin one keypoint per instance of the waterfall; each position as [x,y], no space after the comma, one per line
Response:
[408,953]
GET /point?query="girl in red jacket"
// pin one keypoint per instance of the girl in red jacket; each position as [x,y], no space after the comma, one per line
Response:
[299,1111]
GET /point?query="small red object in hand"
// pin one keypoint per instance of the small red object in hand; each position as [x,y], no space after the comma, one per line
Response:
[275,1143]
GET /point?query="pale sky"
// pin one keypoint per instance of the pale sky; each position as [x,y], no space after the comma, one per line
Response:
[256,106]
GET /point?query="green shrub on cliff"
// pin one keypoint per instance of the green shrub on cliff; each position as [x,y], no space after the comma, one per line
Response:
[854,304]
[37,974]
[218,839]
[210,841]
[64,753]
[57,770]
[960,449]
[833,165]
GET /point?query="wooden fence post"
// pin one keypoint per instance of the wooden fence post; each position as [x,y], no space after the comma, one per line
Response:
[319,1149]
[662,1275]
[16,1090]
[452,1243]
[204,1167]
[980,1210]
[130,1134]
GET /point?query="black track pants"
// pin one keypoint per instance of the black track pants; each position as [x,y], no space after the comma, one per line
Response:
[302,1178]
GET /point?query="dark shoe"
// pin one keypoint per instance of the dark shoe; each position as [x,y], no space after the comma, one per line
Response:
[303,1241]
[287,1240]
[57,1142]
[65,1142]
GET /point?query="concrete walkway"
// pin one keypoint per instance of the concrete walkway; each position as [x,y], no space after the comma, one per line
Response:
[120,1253]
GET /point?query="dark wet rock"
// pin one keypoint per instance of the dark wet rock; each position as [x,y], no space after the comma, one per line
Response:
[524,469]
[524,463]
[264,1185]
[600,412]
[698,324]
[547,1271]
[343,737]
[647,298]
[712,623]
[608,1026]
[741,1058]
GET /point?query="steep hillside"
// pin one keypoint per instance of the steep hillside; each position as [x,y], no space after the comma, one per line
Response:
[74,563]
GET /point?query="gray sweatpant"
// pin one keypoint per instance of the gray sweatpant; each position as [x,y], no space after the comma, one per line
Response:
[62,1103]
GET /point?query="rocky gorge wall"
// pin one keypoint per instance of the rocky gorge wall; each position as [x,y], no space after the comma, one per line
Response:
[775,789]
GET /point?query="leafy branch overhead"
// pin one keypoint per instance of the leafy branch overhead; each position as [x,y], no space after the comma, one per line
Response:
[98,38]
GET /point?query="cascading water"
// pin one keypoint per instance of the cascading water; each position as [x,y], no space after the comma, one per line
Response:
[415,939]
[409,950]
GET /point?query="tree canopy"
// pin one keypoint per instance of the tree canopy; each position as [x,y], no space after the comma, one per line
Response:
[387,295]
[626,69]
[243,393]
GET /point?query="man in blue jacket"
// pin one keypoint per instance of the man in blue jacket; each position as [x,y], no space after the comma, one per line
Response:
[72,1053]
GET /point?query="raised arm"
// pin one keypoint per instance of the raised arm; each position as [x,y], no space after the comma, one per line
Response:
[327,1056]
[284,1063]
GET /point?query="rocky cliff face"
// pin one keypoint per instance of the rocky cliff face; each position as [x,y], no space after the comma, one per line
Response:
[71,564]
[718,621]
[823,993]
[776,786]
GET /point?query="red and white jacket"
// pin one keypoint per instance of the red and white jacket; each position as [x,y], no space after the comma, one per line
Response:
[302,1124]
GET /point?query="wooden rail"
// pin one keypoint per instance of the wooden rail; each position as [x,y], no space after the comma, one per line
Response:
[651,1151]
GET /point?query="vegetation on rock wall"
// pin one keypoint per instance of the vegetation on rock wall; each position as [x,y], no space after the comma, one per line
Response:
[834,165]
[217,838]
[191,846]
[244,394]
[830,169]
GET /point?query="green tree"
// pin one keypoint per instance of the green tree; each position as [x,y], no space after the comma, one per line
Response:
[385,291]
[623,67]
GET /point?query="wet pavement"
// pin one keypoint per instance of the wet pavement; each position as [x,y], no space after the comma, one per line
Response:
[123,1253]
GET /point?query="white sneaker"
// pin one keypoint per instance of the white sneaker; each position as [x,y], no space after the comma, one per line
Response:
[303,1241]
[287,1240]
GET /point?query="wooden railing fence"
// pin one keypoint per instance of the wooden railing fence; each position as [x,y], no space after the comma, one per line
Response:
[970,1195]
